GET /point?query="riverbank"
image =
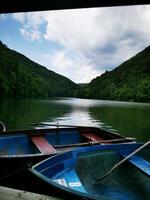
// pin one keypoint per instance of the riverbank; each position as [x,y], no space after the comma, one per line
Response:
[11,194]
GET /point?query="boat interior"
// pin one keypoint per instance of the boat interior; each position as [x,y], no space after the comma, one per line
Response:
[79,173]
[48,141]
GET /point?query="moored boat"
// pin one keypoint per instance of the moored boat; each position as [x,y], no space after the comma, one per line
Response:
[78,172]
[19,148]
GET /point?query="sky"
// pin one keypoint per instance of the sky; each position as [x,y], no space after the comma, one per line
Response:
[80,44]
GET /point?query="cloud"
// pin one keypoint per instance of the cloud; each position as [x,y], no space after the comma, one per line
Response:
[69,65]
[29,20]
[3,16]
[90,29]
[99,38]
[20,17]
[73,29]
[31,25]
[61,61]
[86,73]
[30,35]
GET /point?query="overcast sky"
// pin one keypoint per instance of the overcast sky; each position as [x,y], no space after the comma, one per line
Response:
[79,44]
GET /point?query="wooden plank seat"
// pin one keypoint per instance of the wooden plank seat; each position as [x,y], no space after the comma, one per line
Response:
[139,162]
[92,137]
[43,145]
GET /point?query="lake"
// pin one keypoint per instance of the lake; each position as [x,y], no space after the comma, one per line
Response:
[127,118]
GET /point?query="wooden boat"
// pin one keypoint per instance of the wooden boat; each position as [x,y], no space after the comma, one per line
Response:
[21,147]
[78,172]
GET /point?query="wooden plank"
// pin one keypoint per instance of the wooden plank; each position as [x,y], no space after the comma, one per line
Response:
[92,137]
[139,162]
[11,194]
[43,145]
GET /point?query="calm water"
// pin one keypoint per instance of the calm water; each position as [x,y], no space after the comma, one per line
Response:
[129,119]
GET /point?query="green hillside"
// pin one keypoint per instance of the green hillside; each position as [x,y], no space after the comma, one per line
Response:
[21,77]
[128,82]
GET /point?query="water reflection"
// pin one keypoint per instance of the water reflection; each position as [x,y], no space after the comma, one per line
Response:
[76,117]
[21,114]
[129,119]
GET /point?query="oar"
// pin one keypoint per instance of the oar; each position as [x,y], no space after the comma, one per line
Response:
[122,161]
[94,143]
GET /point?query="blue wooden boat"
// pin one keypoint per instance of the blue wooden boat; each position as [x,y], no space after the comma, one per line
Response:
[77,172]
[19,148]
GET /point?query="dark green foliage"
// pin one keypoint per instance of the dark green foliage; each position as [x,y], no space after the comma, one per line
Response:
[128,82]
[21,77]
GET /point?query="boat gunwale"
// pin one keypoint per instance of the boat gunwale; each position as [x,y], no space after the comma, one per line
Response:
[60,148]
[42,131]
[73,155]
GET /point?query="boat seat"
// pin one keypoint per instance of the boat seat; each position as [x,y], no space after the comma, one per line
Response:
[43,145]
[92,137]
[139,162]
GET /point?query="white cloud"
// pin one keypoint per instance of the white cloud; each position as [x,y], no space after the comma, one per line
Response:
[86,73]
[31,24]
[31,35]
[89,29]
[99,38]
[30,20]
[60,60]
[19,17]
[3,16]
[75,29]
[70,65]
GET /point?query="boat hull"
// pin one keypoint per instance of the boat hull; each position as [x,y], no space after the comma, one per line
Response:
[77,172]
[23,148]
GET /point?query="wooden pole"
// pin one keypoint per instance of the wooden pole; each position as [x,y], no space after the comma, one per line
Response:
[95,143]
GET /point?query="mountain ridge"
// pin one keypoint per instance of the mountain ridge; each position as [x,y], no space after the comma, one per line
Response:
[130,81]
[22,77]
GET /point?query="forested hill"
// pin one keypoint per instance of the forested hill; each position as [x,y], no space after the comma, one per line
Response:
[21,77]
[128,82]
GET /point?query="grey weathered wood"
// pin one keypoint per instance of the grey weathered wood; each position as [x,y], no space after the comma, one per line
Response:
[11,194]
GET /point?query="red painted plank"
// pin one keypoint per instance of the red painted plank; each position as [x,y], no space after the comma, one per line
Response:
[93,137]
[43,145]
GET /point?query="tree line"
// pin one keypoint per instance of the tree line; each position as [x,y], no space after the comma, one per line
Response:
[21,77]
